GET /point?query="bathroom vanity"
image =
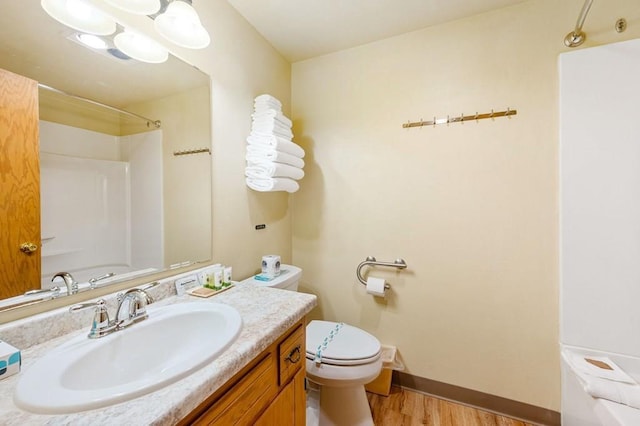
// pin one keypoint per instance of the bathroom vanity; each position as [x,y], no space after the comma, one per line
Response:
[258,379]
[268,391]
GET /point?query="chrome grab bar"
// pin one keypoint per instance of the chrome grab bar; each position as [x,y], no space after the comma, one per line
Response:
[370,260]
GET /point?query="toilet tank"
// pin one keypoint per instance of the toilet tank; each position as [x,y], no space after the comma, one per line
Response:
[287,280]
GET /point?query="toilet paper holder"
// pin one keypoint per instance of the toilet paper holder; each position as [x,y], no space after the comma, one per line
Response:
[370,260]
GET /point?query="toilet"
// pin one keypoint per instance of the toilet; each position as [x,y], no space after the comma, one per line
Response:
[340,360]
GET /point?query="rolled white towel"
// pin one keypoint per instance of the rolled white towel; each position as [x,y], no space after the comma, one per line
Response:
[277,143]
[270,113]
[622,393]
[272,184]
[261,109]
[269,126]
[267,98]
[604,379]
[271,121]
[269,169]
[288,134]
[267,101]
[258,156]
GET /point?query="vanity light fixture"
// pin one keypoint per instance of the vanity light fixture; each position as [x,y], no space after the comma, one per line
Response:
[180,24]
[92,41]
[140,47]
[176,21]
[137,7]
[79,15]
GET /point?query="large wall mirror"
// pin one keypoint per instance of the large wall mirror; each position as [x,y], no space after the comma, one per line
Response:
[120,195]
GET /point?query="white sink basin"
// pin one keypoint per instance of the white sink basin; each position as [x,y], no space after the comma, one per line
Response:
[84,374]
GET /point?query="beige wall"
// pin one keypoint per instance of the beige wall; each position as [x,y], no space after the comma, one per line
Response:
[471,207]
[62,109]
[242,65]
[186,179]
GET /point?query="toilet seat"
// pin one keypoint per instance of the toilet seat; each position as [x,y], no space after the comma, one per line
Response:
[340,344]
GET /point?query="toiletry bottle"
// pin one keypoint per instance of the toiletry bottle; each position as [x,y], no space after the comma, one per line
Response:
[226,276]
[218,274]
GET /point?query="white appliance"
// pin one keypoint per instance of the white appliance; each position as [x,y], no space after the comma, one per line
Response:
[340,359]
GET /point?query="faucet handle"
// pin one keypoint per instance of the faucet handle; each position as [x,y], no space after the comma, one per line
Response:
[101,325]
[55,291]
[93,281]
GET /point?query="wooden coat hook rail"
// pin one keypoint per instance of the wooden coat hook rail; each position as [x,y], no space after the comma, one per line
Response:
[460,119]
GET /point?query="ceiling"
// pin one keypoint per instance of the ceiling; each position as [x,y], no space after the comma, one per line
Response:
[302,29]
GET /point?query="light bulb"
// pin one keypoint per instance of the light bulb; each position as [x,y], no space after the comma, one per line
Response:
[79,15]
[140,47]
[181,25]
[92,41]
[79,9]
[137,7]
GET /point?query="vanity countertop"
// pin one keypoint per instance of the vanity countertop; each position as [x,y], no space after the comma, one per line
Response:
[266,314]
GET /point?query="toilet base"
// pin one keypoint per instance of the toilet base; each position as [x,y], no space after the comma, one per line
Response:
[344,406]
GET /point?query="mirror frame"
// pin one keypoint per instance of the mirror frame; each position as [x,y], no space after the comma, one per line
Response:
[51,304]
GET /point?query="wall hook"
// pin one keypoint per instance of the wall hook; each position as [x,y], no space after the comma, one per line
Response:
[462,118]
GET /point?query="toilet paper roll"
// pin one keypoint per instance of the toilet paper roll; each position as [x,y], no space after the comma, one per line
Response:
[271,265]
[375,286]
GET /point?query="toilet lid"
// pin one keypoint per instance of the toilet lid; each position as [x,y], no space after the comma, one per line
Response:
[341,344]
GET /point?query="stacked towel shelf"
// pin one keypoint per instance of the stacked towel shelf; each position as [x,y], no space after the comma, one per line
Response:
[274,161]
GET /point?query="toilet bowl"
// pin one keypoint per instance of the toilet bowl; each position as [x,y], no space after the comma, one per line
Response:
[340,359]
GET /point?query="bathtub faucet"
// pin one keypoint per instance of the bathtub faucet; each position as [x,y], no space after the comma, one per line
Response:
[72,285]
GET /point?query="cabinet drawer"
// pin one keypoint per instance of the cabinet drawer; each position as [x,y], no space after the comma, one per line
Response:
[248,397]
[291,354]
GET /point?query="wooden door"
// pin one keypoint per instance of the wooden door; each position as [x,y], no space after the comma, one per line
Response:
[19,184]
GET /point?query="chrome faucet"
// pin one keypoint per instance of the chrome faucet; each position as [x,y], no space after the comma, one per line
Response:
[72,285]
[132,308]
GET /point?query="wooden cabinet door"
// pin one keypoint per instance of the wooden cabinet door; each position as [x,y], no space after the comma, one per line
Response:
[289,408]
[300,398]
[19,184]
[281,411]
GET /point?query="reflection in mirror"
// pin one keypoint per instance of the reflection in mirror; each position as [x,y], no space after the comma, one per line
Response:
[114,197]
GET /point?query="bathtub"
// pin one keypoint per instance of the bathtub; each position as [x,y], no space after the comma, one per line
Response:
[581,409]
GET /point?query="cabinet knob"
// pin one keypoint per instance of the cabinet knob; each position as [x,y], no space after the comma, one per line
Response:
[294,355]
[28,248]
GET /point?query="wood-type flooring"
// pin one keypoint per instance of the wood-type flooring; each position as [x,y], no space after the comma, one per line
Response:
[407,408]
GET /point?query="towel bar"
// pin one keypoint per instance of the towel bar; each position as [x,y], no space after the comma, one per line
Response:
[370,260]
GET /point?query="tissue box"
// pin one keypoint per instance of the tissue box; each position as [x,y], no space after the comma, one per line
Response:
[10,360]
